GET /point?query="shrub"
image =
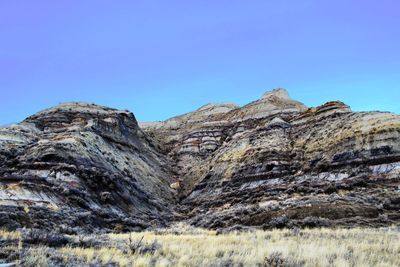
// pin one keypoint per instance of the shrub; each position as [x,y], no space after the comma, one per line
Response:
[42,237]
[276,259]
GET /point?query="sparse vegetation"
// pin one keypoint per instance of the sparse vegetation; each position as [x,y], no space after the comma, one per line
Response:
[183,245]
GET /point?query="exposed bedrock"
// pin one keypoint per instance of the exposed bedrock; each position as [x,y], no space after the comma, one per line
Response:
[271,163]
[276,163]
[79,166]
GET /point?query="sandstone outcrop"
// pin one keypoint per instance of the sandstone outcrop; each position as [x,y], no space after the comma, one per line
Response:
[271,163]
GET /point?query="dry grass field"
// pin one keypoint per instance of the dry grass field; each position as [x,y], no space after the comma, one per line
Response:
[186,246]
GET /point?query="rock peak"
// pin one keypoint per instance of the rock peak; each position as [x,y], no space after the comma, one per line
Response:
[277,93]
[79,108]
[271,159]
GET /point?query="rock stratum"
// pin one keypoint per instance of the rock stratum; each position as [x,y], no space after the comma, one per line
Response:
[271,163]
[80,166]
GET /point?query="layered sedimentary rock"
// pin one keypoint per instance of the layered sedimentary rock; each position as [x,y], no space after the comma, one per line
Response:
[80,166]
[278,163]
[271,163]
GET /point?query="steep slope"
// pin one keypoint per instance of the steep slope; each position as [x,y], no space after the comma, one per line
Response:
[192,139]
[277,163]
[79,166]
[271,163]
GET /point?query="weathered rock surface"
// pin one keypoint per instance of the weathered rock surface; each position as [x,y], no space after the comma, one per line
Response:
[271,163]
[276,163]
[80,166]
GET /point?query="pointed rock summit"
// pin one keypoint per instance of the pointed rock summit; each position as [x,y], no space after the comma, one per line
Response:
[272,102]
[276,93]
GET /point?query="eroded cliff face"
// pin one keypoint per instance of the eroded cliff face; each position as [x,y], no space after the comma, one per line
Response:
[276,163]
[79,166]
[271,163]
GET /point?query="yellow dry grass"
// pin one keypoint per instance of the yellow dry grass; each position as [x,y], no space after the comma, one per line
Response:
[185,246]
[9,235]
[322,247]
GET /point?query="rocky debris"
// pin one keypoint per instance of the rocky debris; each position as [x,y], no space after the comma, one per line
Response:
[272,163]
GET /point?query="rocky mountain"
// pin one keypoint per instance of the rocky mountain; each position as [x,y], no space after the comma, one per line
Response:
[271,163]
[80,166]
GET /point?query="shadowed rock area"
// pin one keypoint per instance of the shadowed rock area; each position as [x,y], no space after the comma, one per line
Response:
[79,166]
[269,164]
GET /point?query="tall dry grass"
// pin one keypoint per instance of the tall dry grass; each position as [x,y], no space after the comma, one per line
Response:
[186,246]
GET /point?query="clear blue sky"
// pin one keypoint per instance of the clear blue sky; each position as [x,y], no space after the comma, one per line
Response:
[163,58]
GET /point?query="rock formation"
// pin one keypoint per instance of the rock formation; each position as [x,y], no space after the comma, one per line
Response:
[80,166]
[271,163]
[276,163]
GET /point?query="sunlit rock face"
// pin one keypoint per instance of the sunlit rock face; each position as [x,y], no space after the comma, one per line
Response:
[277,163]
[271,163]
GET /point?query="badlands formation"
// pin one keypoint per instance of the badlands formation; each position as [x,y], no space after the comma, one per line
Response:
[272,163]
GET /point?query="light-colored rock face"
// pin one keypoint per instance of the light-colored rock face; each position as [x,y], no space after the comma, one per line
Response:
[201,131]
[315,164]
[271,103]
[205,114]
[277,93]
[271,163]
[278,122]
